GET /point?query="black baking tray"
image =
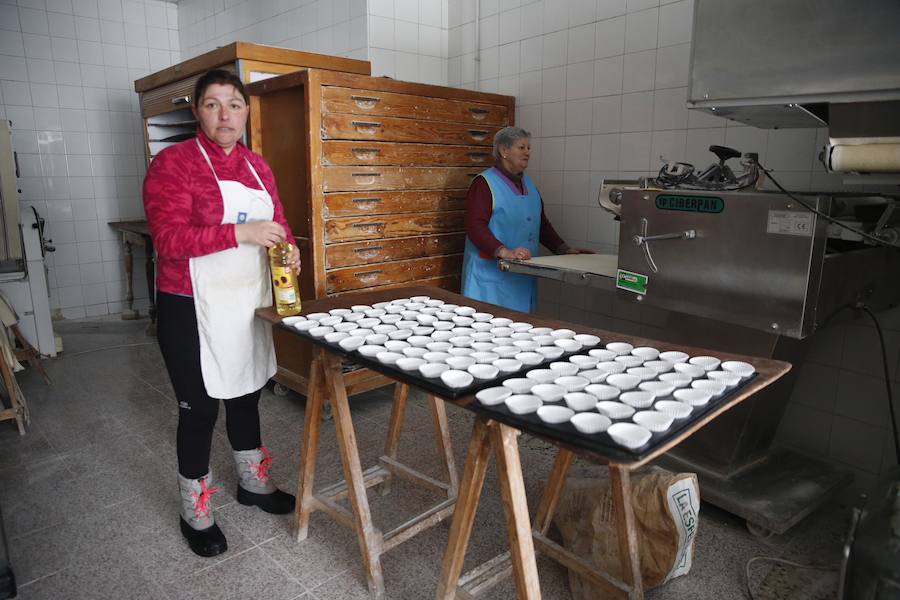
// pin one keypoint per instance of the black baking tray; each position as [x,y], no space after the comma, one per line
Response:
[600,443]
[431,384]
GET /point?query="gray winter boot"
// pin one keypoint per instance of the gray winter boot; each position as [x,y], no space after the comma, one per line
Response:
[254,486]
[197,523]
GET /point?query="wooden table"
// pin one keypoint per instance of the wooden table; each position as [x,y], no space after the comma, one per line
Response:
[490,433]
[137,233]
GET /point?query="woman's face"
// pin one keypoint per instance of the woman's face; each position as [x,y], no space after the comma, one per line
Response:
[515,158]
[222,113]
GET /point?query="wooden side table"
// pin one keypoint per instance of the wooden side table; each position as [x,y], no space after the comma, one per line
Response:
[137,233]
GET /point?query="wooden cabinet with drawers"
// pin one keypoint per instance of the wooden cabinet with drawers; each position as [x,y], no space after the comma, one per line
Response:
[374,173]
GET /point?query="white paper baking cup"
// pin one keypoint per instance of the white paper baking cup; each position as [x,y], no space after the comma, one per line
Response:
[572,383]
[563,333]
[674,356]
[611,367]
[529,358]
[506,351]
[400,334]
[482,327]
[445,315]
[449,306]
[339,312]
[692,371]
[580,401]
[503,341]
[371,349]
[427,320]
[465,311]
[707,363]
[550,352]
[603,391]
[433,302]
[460,351]
[586,339]
[482,371]
[419,341]
[522,404]
[422,299]
[564,368]
[385,329]
[623,381]
[501,322]
[716,388]
[739,368]
[396,345]
[406,324]
[409,363]
[520,385]
[438,357]
[590,423]
[360,307]
[369,322]
[639,399]
[727,377]
[629,434]
[410,315]
[346,327]
[485,357]
[629,360]
[381,305]
[619,348]
[438,346]
[594,375]
[544,340]
[443,326]
[501,331]
[394,309]
[603,354]
[507,365]
[584,362]
[461,341]
[483,346]
[568,345]
[415,352]
[645,373]
[493,395]
[519,326]
[549,392]
[660,366]
[317,316]
[361,332]
[659,389]
[645,353]
[482,316]
[555,414]
[542,375]
[460,362]
[353,317]
[293,319]
[521,335]
[414,305]
[374,313]
[440,336]
[653,420]
[388,358]
[615,410]
[526,345]
[462,321]
[320,331]
[336,336]
[675,409]
[429,310]
[352,343]
[432,369]
[305,325]
[692,396]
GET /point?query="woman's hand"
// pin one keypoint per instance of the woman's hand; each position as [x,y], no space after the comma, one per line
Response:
[261,233]
[294,259]
[519,253]
[580,251]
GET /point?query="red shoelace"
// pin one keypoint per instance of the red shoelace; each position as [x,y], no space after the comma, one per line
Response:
[261,469]
[201,500]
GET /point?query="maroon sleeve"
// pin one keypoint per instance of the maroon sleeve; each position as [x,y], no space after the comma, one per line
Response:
[268,179]
[549,237]
[169,206]
[479,206]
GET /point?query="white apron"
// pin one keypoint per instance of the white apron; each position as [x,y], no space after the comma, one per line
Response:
[236,351]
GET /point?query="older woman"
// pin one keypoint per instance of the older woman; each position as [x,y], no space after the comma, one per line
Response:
[505,219]
[213,209]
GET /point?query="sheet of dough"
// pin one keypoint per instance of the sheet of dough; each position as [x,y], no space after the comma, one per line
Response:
[599,264]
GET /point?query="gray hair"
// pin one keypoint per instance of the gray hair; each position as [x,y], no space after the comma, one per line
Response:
[506,137]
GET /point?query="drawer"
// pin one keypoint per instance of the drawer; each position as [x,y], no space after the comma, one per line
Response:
[392,226]
[173,96]
[403,271]
[350,179]
[363,253]
[409,106]
[392,129]
[355,204]
[451,283]
[386,153]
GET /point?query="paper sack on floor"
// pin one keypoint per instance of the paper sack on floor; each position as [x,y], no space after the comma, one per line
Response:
[666,507]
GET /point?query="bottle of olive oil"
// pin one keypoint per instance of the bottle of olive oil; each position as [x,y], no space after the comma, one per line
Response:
[284,280]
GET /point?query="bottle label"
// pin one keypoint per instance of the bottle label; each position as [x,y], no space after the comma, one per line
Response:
[284,288]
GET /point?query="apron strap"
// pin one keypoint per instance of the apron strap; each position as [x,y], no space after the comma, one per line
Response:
[252,170]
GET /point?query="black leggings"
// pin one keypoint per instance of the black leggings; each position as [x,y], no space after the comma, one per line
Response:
[180,345]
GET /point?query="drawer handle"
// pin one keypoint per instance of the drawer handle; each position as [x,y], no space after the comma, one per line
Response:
[368,249]
[365,174]
[181,100]
[366,126]
[477,156]
[365,101]
[365,153]
[478,134]
[478,113]
[366,203]
[366,276]
[368,225]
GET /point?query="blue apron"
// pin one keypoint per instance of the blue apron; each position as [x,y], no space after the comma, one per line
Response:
[515,221]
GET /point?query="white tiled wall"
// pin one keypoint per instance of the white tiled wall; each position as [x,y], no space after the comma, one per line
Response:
[336,27]
[408,39]
[67,69]
[602,84]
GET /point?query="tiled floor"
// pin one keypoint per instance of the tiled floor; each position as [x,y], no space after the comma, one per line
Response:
[90,499]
